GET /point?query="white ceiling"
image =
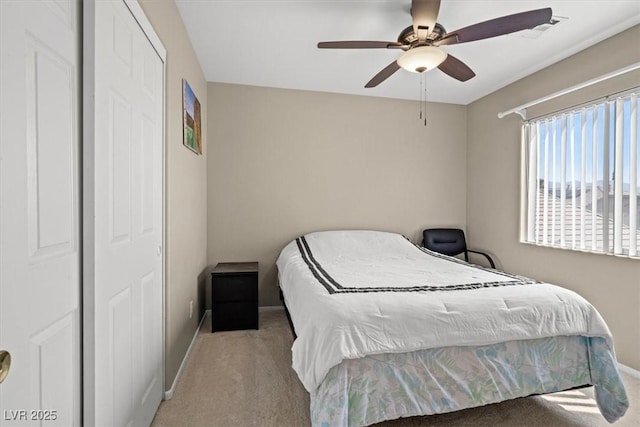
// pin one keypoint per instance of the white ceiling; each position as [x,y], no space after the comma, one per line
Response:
[272,43]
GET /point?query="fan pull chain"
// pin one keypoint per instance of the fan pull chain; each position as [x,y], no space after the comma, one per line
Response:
[424,76]
[421,77]
[423,97]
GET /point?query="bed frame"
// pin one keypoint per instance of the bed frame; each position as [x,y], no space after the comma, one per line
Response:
[286,310]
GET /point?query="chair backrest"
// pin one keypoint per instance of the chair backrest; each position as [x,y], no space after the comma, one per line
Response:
[448,241]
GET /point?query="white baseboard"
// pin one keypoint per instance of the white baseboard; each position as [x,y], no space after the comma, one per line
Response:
[629,371]
[168,394]
[270,308]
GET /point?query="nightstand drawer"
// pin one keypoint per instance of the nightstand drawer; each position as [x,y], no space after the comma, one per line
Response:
[230,316]
[234,288]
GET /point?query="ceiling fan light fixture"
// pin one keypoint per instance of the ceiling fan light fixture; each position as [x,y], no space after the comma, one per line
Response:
[422,58]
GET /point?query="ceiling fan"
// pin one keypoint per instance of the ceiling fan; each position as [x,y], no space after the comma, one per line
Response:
[421,41]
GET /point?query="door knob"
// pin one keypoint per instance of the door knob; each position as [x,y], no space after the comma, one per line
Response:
[5,364]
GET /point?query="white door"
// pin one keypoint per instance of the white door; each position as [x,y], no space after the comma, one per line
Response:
[39,212]
[123,221]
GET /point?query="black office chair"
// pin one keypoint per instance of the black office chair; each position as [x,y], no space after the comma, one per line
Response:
[449,241]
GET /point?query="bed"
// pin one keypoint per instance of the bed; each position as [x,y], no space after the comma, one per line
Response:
[386,329]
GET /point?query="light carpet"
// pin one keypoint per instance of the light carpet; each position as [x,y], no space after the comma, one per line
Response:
[244,379]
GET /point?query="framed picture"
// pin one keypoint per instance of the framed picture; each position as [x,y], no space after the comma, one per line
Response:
[192,122]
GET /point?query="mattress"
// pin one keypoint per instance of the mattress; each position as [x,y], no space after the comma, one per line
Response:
[356,294]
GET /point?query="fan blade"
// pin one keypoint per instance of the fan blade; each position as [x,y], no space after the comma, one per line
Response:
[383,75]
[497,27]
[456,69]
[424,14]
[360,45]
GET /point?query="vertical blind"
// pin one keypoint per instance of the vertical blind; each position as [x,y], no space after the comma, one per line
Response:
[581,178]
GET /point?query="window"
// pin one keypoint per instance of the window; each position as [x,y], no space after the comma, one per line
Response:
[581,178]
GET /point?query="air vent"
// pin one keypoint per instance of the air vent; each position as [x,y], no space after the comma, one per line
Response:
[538,31]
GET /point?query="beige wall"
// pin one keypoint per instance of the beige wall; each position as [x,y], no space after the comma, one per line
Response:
[186,188]
[283,163]
[610,283]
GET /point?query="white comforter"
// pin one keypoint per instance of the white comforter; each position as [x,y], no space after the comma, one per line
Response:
[356,293]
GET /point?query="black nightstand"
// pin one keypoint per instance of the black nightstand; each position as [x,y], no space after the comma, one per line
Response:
[234,296]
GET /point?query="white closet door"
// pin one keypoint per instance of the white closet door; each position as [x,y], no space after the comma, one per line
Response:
[39,212]
[125,233]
